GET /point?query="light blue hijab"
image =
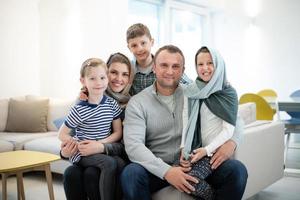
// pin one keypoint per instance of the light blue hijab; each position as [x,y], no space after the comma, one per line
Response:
[202,90]
[217,94]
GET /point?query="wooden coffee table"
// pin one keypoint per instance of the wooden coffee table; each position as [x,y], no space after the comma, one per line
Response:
[17,162]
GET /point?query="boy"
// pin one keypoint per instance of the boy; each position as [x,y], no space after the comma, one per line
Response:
[139,42]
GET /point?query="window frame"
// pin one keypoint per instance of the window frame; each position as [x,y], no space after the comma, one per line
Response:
[196,7]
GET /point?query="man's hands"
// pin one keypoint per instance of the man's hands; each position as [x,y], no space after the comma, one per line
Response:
[223,153]
[178,177]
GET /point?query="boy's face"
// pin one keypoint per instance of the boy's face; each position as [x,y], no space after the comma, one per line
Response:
[140,47]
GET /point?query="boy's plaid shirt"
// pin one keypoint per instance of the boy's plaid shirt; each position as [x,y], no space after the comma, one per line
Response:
[142,81]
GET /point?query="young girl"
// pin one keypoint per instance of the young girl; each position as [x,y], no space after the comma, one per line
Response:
[212,115]
[98,118]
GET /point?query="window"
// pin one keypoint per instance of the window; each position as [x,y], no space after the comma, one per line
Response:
[186,33]
[148,13]
[182,23]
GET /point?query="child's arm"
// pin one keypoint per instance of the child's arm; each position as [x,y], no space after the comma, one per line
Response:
[222,137]
[64,133]
[183,162]
[117,134]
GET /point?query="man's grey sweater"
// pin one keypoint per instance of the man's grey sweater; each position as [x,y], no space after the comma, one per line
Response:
[152,132]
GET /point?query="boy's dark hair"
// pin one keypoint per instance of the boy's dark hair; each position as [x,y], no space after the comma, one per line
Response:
[170,49]
[203,49]
[137,30]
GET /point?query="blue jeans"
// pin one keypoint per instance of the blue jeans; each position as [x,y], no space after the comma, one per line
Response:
[138,184]
[229,181]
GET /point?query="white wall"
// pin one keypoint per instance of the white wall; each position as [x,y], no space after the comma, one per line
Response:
[265,55]
[71,32]
[44,42]
[19,48]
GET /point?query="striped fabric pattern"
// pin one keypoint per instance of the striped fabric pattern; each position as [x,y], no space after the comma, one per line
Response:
[91,121]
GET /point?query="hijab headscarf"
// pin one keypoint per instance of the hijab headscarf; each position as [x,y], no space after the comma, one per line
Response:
[218,96]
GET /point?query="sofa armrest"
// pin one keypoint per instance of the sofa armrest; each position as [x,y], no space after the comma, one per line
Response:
[262,152]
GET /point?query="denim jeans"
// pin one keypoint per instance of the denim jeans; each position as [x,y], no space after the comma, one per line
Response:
[138,184]
[229,181]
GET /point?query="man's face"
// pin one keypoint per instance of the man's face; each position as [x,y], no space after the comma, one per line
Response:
[168,69]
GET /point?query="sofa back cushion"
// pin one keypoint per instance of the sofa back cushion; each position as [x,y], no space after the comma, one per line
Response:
[27,115]
[247,112]
[58,109]
[3,113]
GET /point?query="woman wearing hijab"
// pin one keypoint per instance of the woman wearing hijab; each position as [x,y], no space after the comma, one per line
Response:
[212,115]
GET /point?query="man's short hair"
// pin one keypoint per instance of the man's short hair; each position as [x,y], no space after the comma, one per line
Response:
[170,49]
[137,30]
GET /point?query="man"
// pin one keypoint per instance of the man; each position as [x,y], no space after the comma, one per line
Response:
[152,135]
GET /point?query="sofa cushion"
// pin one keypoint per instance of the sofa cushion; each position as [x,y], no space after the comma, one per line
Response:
[18,139]
[53,145]
[27,115]
[6,146]
[3,113]
[58,109]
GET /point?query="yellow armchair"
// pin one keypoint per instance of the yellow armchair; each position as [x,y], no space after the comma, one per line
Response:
[267,93]
[270,96]
[263,109]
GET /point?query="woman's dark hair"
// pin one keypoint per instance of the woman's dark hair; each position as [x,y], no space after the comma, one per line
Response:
[119,57]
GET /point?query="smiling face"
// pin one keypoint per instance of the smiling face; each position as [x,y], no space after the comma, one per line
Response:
[141,48]
[118,76]
[168,68]
[205,67]
[95,80]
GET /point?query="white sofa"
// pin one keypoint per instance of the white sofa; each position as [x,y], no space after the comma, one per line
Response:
[38,141]
[261,148]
